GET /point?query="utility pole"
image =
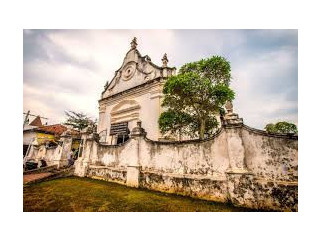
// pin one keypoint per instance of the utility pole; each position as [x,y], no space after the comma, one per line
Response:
[26,118]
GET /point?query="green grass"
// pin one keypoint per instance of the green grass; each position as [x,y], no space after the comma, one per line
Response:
[75,194]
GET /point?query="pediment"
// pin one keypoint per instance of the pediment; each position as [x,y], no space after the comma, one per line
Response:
[134,71]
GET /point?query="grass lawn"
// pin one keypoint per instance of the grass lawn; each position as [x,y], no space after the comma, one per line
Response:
[74,194]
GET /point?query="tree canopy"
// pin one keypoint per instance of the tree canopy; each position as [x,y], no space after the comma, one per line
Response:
[78,121]
[194,96]
[282,128]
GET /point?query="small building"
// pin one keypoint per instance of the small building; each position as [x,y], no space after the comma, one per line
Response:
[50,134]
[51,144]
[30,133]
[134,93]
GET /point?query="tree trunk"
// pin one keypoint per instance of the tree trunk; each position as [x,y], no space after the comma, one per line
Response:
[202,128]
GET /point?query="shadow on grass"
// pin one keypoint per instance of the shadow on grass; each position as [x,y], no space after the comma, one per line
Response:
[74,194]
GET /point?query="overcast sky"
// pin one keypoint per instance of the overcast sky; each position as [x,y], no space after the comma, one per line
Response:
[67,69]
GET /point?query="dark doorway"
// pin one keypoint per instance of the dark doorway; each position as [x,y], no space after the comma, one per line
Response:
[122,138]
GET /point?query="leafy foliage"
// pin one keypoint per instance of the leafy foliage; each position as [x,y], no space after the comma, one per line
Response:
[194,96]
[216,68]
[176,122]
[79,121]
[282,128]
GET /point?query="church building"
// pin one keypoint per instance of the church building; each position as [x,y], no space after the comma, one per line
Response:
[134,94]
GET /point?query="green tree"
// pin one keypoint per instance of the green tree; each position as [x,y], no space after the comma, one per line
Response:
[175,122]
[79,121]
[194,96]
[282,128]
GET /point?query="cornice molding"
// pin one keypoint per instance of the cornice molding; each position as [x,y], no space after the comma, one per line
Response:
[143,88]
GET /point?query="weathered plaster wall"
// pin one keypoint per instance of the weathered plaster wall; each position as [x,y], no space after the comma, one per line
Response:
[270,157]
[117,175]
[48,154]
[204,187]
[116,155]
[208,158]
[247,190]
[244,166]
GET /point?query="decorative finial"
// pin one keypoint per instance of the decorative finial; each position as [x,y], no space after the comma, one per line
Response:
[231,118]
[138,130]
[139,123]
[229,107]
[165,60]
[134,43]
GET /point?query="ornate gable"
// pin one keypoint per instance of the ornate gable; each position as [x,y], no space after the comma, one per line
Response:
[136,70]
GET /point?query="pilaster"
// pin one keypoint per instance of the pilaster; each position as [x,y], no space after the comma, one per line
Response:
[83,161]
[233,125]
[239,178]
[134,168]
[62,157]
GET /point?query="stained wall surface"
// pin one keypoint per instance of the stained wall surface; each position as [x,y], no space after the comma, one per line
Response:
[269,156]
[264,177]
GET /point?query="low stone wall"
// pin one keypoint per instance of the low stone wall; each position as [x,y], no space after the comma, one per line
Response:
[270,156]
[42,152]
[239,189]
[241,165]
[204,158]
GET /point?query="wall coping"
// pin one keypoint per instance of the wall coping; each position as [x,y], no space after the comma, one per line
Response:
[216,134]
[264,133]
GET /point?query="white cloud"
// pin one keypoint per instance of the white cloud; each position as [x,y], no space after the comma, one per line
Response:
[78,65]
[106,49]
[262,87]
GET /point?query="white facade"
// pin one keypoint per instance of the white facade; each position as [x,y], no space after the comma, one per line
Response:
[133,94]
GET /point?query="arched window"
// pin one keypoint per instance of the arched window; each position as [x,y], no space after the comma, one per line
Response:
[122,114]
[125,111]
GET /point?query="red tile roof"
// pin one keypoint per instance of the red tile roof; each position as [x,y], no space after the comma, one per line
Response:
[56,129]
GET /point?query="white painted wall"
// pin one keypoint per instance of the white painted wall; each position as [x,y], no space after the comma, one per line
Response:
[27,137]
[201,158]
[271,157]
[148,101]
